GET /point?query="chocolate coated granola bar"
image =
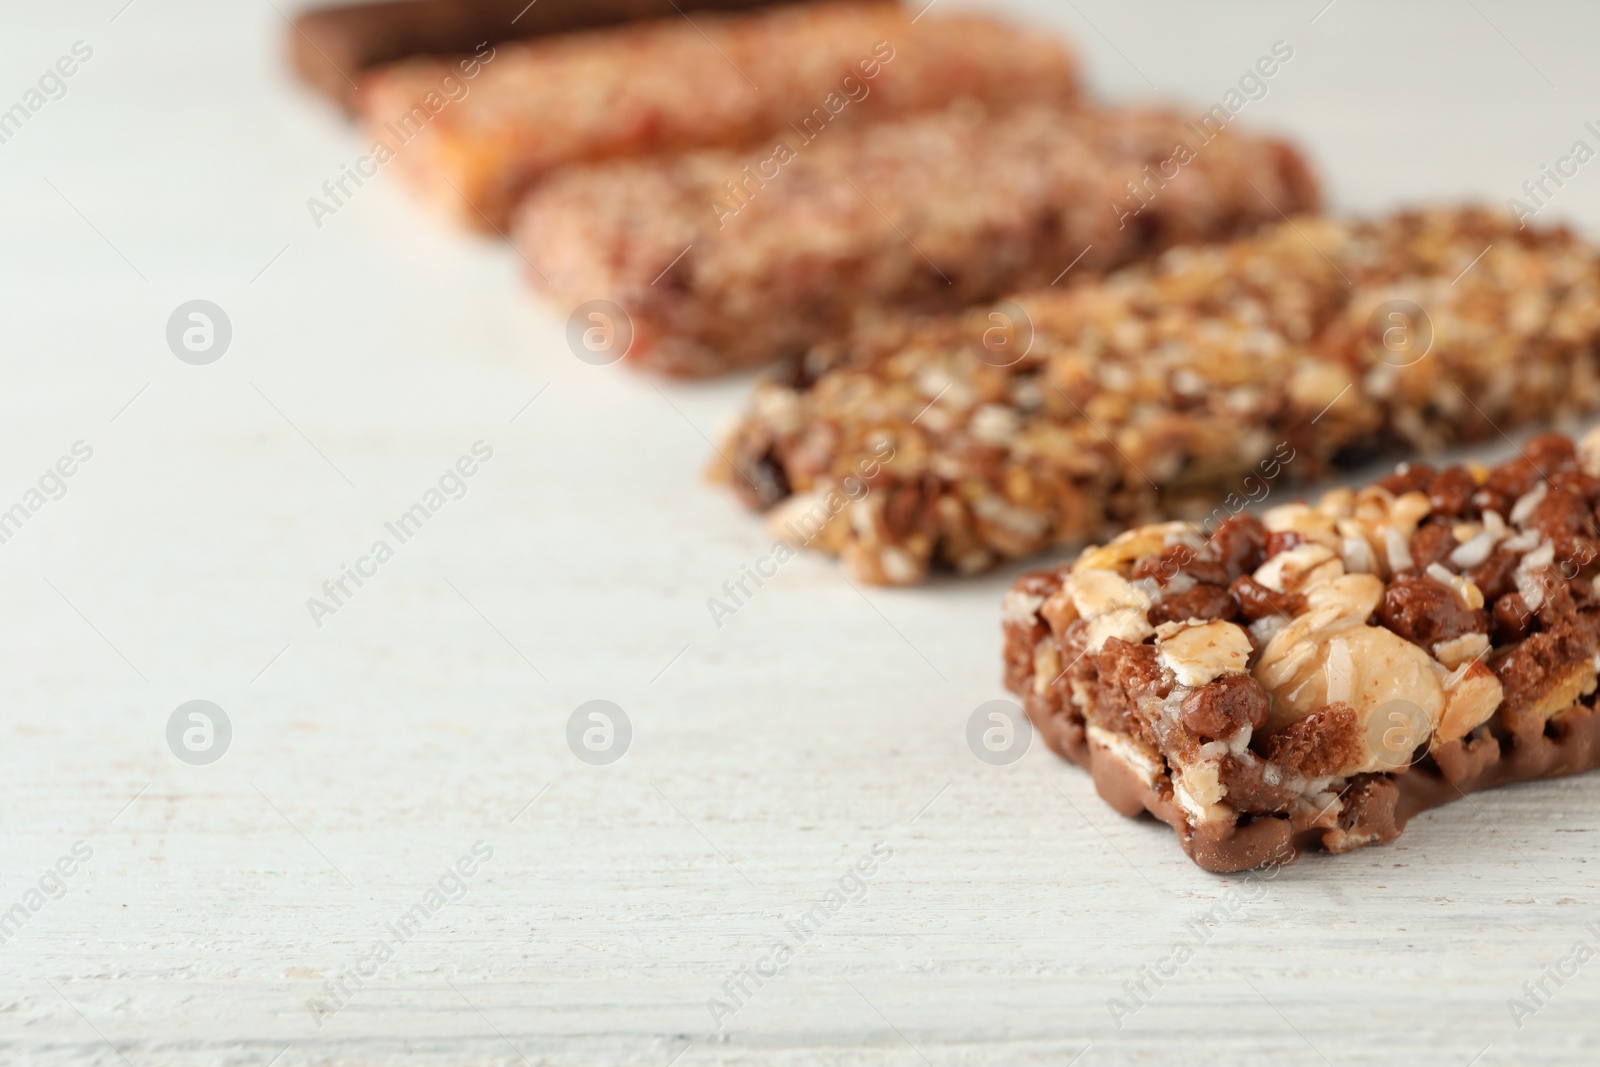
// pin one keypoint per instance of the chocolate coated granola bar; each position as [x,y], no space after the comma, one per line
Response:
[1191,386]
[726,260]
[1317,676]
[710,80]
[331,47]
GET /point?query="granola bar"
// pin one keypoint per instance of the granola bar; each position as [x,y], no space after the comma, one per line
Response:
[726,260]
[1199,383]
[331,46]
[1317,676]
[713,80]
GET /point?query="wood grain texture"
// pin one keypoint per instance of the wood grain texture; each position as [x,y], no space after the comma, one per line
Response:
[768,755]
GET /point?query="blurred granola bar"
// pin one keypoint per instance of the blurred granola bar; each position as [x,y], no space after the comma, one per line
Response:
[1197,384]
[725,260]
[473,142]
[331,46]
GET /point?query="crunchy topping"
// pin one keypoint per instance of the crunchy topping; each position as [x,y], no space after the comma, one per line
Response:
[1299,568]
[1366,668]
[1430,611]
[1449,491]
[1545,674]
[1256,601]
[1136,544]
[1472,693]
[1319,744]
[1114,607]
[1224,707]
[1457,650]
[1203,601]
[1196,654]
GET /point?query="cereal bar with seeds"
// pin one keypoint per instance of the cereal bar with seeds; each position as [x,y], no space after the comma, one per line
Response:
[1193,385]
[725,260]
[1316,676]
[472,146]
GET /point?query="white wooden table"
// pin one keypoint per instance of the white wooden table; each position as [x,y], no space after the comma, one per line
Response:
[1006,905]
